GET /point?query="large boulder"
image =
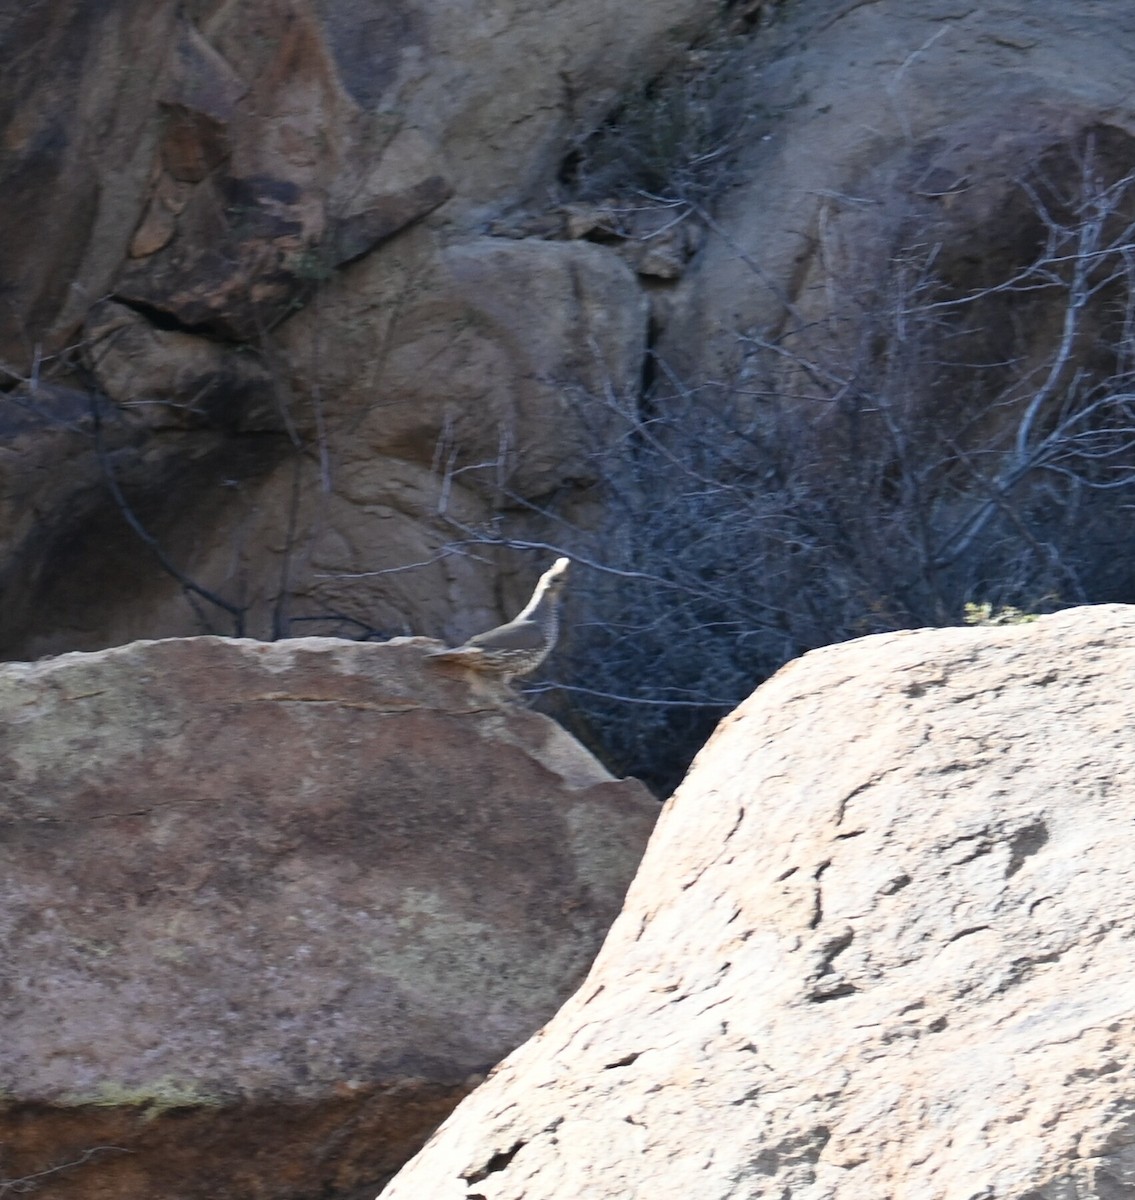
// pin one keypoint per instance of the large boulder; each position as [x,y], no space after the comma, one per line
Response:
[868,121]
[474,358]
[877,947]
[269,911]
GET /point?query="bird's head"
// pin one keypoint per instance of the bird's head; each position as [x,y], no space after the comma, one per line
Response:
[555,577]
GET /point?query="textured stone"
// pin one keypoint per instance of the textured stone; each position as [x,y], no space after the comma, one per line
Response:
[878,946]
[475,357]
[169,379]
[299,135]
[861,106]
[272,163]
[267,909]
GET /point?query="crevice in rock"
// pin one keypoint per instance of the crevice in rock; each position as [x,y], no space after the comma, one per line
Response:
[846,800]
[957,937]
[737,822]
[1024,844]
[818,904]
[625,1061]
[825,982]
[895,885]
[821,995]
[984,846]
[1020,969]
[496,1163]
[166,321]
[649,373]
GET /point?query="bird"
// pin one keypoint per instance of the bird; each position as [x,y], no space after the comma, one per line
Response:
[521,645]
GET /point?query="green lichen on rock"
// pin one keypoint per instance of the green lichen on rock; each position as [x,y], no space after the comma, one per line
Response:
[154,1099]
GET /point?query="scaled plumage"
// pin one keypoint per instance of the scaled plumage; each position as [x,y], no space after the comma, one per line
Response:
[523,643]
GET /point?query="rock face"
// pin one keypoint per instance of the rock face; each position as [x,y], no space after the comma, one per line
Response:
[927,111]
[877,947]
[333,162]
[269,909]
[342,287]
[255,147]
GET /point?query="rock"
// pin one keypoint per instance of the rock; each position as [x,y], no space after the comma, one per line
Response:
[169,379]
[661,241]
[877,947]
[70,567]
[291,178]
[271,163]
[268,909]
[476,357]
[852,98]
[655,240]
[79,150]
[505,90]
[249,152]
[373,557]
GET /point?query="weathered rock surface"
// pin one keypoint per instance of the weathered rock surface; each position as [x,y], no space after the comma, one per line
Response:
[169,379]
[268,909]
[877,947]
[474,357]
[253,148]
[334,265]
[929,109]
[231,238]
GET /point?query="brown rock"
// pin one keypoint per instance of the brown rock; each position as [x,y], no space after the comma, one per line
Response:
[372,557]
[877,947]
[71,559]
[159,222]
[293,177]
[268,908]
[280,114]
[272,158]
[79,137]
[168,379]
[476,356]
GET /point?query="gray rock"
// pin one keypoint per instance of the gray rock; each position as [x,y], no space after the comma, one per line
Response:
[269,910]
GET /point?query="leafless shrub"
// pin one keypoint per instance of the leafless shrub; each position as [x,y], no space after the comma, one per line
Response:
[674,140]
[920,445]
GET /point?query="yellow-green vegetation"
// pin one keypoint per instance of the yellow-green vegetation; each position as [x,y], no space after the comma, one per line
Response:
[153,1099]
[985,614]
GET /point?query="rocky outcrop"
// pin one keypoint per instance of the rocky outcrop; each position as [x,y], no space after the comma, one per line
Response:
[253,148]
[232,243]
[351,286]
[269,911]
[870,118]
[473,358]
[877,947]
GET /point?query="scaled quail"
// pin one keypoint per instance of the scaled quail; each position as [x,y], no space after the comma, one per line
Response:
[523,644]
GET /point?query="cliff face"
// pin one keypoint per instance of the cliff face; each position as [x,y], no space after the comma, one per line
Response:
[796,320]
[181,187]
